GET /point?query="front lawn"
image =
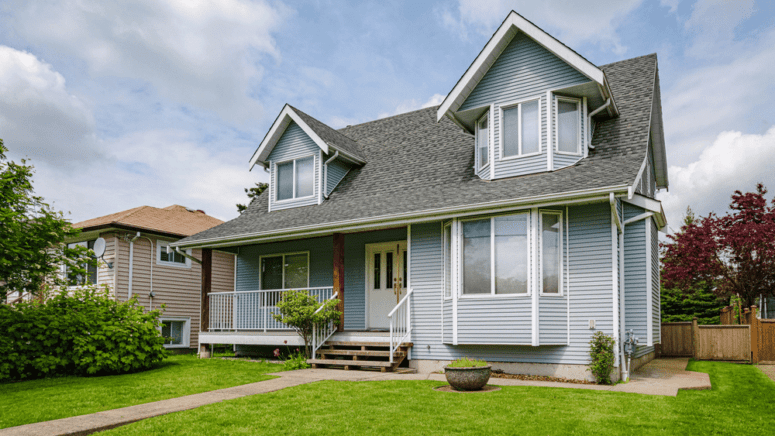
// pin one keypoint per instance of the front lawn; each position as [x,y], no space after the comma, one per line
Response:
[42,400]
[742,402]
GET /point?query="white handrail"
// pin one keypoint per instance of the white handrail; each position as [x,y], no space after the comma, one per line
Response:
[325,332]
[400,323]
[252,310]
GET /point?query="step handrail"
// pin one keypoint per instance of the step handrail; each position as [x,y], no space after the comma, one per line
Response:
[400,323]
[326,331]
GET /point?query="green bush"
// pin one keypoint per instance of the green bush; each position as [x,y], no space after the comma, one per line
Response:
[601,351]
[465,362]
[77,332]
[299,310]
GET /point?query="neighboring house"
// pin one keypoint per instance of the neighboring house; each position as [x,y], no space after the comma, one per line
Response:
[512,222]
[136,263]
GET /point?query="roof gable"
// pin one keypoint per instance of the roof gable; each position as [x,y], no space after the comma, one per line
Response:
[324,137]
[513,24]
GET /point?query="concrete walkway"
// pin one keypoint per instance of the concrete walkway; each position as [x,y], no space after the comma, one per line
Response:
[660,377]
[768,370]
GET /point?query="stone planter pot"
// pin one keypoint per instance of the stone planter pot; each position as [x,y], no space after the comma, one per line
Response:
[468,379]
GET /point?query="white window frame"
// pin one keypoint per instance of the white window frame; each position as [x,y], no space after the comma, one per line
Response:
[518,104]
[479,166]
[293,179]
[63,268]
[162,245]
[261,262]
[556,129]
[540,250]
[451,260]
[461,261]
[186,342]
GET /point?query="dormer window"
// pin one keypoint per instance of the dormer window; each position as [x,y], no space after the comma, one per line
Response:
[521,129]
[568,126]
[295,179]
[482,141]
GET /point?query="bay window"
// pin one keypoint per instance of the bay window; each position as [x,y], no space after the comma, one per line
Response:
[521,131]
[447,260]
[551,225]
[568,112]
[483,141]
[296,178]
[494,255]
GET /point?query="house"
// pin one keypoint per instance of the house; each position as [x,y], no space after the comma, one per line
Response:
[136,263]
[510,223]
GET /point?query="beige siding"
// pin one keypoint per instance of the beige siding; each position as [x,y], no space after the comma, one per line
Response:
[105,275]
[177,287]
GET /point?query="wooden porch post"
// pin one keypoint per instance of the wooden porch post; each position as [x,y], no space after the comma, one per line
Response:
[339,275]
[207,282]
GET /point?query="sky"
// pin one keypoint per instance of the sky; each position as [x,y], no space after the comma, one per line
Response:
[157,102]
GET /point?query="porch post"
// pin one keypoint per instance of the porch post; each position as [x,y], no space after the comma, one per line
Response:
[204,315]
[339,275]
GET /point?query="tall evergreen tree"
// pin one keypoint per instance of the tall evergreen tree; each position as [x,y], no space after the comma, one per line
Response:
[253,193]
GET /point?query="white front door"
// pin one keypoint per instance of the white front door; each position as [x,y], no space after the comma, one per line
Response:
[385,281]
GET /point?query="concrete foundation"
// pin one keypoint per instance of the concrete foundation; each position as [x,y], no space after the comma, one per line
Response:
[573,372]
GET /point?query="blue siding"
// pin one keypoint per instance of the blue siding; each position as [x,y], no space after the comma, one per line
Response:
[524,70]
[320,261]
[292,145]
[635,262]
[590,298]
[336,172]
[355,273]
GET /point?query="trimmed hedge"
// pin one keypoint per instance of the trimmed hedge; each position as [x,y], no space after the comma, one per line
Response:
[78,332]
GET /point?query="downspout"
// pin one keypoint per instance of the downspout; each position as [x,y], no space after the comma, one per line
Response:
[589,120]
[187,256]
[325,174]
[616,228]
[150,294]
[131,261]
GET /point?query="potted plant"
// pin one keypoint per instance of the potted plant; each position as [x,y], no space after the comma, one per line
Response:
[465,374]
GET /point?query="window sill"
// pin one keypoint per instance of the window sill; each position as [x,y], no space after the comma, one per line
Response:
[519,156]
[568,153]
[558,295]
[491,296]
[290,200]
[186,265]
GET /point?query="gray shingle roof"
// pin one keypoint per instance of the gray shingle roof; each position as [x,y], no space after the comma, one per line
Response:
[416,164]
[333,138]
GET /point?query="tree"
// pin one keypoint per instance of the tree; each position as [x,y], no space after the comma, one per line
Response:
[253,193]
[699,302]
[732,254]
[32,235]
[299,310]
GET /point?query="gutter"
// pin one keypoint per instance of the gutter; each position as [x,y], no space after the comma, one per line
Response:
[325,174]
[589,120]
[589,195]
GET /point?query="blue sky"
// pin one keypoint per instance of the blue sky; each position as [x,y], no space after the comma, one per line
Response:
[125,103]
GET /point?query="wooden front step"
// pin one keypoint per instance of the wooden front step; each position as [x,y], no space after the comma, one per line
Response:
[343,362]
[367,353]
[359,354]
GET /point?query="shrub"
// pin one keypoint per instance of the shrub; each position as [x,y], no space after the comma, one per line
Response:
[298,309]
[78,332]
[601,351]
[296,360]
[465,362]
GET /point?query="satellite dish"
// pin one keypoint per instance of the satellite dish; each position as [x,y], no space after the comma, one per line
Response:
[99,247]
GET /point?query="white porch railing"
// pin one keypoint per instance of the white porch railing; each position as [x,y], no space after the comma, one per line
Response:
[252,310]
[321,332]
[400,323]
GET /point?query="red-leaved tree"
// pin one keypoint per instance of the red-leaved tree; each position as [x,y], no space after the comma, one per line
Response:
[735,252]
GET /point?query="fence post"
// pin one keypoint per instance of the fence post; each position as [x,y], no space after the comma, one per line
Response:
[695,338]
[754,325]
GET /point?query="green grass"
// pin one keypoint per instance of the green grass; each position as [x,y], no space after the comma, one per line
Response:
[742,402]
[465,362]
[42,400]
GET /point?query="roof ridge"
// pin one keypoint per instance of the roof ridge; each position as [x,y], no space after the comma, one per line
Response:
[435,107]
[628,60]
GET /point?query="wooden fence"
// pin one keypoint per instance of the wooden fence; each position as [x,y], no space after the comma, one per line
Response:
[751,341]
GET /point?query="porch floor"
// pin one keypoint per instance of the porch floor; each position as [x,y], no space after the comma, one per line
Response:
[285,337]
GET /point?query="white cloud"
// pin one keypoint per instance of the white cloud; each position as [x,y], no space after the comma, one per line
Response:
[713,24]
[411,105]
[39,117]
[201,53]
[735,161]
[672,4]
[155,168]
[721,95]
[573,22]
